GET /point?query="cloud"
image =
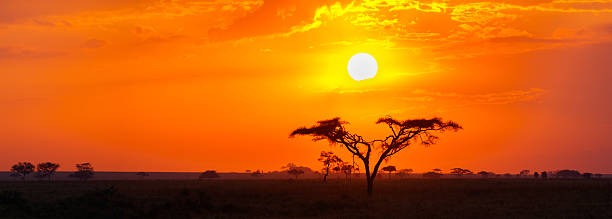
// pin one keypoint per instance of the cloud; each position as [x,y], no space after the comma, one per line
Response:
[506,97]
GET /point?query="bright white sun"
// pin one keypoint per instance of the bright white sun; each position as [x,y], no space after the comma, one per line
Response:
[362,66]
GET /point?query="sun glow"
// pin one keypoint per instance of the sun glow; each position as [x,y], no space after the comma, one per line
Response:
[362,66]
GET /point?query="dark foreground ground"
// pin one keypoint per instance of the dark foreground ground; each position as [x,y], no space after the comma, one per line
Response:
[410,198]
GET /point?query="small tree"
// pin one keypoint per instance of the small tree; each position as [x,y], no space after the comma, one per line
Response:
[524,172]
[484,174]
[46,169]
[209,174]
[347,169]
[389,169]
[460,172]
[432,174]
[22,169]
[257,173]
[544,174]
[142,174]
[536,175]
[84,171]
[293,170]
[568,174]
[404,172]
[328,159]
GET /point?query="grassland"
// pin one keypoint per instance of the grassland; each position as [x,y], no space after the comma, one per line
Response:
[408,198]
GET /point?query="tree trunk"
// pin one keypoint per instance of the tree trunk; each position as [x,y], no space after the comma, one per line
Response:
[370,186]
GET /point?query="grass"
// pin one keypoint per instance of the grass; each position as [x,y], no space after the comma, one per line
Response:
[414,198]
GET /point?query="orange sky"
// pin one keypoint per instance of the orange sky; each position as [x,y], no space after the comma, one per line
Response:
[173,85]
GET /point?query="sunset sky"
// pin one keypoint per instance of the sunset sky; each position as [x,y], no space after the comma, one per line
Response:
[177,85]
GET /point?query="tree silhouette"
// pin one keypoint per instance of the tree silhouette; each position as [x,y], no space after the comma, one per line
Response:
[328,158]
[209,174]
[347,169]
[404,172]
[403,134]
[84,171]
[46,169]
[432,174]
[536,175]
[524,172]
[460,172]
[22,169]
[544,174]
[257,173]
[293,170]
[142,174]
[568,174]
[484,174]
[389,169]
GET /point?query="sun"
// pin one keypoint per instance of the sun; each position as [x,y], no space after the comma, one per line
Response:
[362,66]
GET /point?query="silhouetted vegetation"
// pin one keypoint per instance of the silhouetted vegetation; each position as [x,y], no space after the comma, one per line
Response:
[432,174]
[403,134]
[84,171]
[568,174]
[46,170]
[461,172]
[404,172]
[293,170]
[328,159]
[22,169]
[389,169]
[209,174]
[257,173]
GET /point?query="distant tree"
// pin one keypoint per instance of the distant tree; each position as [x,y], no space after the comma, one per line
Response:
[568,174]
[257,173]
[598,175]
[535,175]
[84,171]
[347,169]
[389,169]
[587,175]
[209,174]
[22,169]
[524,172]
[432,174]
[404,172]
[403,134]
[437,170]
[46,170]
[293,170]
[461,172]
[142,174]
[484,174]
[328,159]
[544,175]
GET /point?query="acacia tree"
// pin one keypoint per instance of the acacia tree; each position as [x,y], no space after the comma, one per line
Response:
[403,134]
[404,172]
[22,169]
[293,169]
[84,171]
[46,169]
[460,172]
[328,158]
[389,169]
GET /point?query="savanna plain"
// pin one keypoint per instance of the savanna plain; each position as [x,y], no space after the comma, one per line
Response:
[309,198]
